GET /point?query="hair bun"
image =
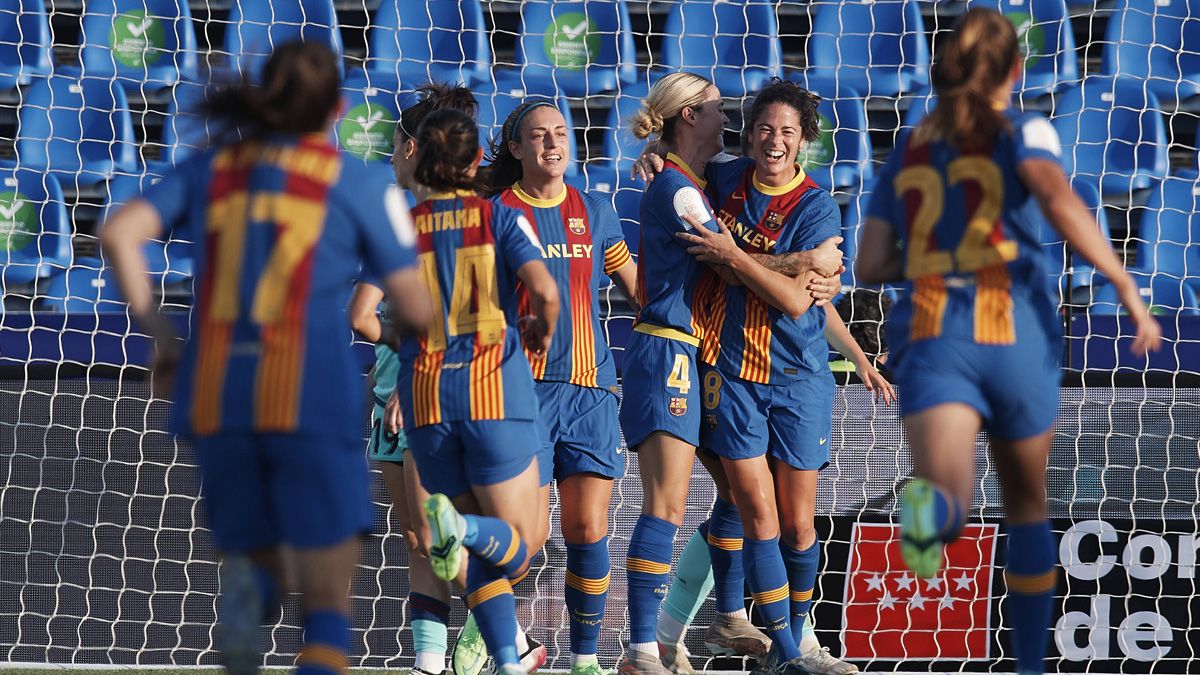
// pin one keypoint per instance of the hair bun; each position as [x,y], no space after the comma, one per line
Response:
[647,122]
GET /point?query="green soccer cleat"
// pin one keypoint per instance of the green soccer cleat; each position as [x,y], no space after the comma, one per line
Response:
[447,529]
[920,541]
[470,652]
[589,668]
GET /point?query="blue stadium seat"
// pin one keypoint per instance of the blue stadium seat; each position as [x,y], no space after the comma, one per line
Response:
[1044,29]
[495,105]
[1157,41]
[578,48]
[35,235]
[257,27]
[734,43]
[25,42]
[368,122]
[923,103]
[87,287]
[841,158]
[77,128]
[145,44]
[1163,293]
[620,149]
[1112,134]
[1080,273]
[184,130]
[853,219]
[625,193]
[1169,233]
[877,48]
[441,40]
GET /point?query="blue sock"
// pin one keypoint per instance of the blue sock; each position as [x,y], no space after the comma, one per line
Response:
[586,593]
[490,599]
[326,642]
[768,581]
[802,577]
[429,617]
[725,551]
[648,566]
[693,578]
[947,513]
[268,592]
[1031,578]
[495,541]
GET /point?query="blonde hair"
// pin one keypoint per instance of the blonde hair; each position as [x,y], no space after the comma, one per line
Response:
[667,98]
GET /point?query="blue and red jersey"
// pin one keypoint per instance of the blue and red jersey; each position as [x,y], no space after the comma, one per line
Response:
[282,227]
[469,365]
[968,230]
[582,242]
[672,285]
[746,337]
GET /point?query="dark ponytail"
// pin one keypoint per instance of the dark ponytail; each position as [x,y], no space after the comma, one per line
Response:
[790,94]
[505,169]
[970,65]
[434,96]
[298,94]
[448,144]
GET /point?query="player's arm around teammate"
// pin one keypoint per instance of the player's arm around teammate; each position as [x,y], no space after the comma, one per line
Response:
[976,340]
[265,388]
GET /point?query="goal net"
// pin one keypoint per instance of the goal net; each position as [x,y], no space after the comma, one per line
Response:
[104,557]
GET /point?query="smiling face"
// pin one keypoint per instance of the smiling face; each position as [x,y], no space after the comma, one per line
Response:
[775,141]
[542,144]
[708,122]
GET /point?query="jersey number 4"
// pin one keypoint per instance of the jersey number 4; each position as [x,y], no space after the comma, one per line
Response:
[982,244]
[474,300]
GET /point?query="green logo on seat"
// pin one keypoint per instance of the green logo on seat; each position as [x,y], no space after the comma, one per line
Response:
[819,152]
[572,41]
[137,39]
[366,131]
[1030,36]
[18,220]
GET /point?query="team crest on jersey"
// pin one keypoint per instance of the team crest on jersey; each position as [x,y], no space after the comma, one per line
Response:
[678,406]
[576,226]
[774,220]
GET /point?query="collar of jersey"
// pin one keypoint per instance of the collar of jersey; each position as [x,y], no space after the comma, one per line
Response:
[452,195]
[539,203]
[672,157]
[776,191]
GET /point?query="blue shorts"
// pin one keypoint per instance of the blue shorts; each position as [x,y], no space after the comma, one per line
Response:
[659,390]
[453,456]
[793,422]
[383,445]
[581,431]
[1014,388]
[262,490]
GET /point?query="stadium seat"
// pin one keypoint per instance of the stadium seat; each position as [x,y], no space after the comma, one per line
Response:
[184,131]
[34,228]
[853,218]
[368,122]
[923,103]
[1157,41]
[77,128]
[620,148]
[87,287]
[1080,273]
[1163,293]
[442,40]
[877,48]
[841,158]
[495,105]
[576,48]
[1044,30]
[145,44]
[1112,134]
[256,27]
[625,192]
[734,43]
[25,43]
[1169,233]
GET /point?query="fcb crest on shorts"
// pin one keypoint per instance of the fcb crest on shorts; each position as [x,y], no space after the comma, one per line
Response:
[678,406]
[576,226]
[774,220]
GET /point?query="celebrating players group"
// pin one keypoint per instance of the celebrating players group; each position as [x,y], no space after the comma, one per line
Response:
[493,378]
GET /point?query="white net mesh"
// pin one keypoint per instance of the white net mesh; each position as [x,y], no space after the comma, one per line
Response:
[103,555]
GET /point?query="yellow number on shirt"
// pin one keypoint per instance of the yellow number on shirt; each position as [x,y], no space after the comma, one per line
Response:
[474,300]
[974,250]
[681,374]
[712,389]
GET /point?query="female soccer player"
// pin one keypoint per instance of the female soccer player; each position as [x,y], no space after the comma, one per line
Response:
[429,597]
[267,390]
[576,380]
[975,339]
[465,389]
